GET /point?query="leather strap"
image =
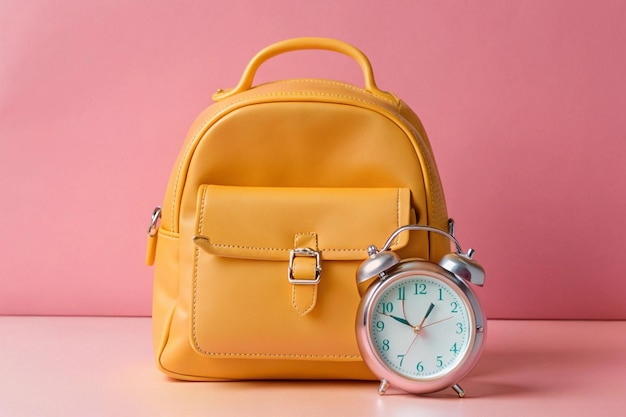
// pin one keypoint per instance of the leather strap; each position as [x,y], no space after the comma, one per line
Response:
[304,295]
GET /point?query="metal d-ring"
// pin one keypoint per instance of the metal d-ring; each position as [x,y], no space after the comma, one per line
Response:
[156,216]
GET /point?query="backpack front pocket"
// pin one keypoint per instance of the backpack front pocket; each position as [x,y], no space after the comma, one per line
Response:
[274,267]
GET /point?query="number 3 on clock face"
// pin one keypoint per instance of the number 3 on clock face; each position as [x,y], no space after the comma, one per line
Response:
[421,327]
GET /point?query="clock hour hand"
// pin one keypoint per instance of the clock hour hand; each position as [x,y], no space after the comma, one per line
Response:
[400,319]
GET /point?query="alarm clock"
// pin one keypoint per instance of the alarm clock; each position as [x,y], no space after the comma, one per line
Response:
[420,327]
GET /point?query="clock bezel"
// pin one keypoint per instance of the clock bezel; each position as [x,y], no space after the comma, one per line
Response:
[369,352]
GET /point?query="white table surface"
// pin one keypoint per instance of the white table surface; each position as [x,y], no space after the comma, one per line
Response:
[86,366]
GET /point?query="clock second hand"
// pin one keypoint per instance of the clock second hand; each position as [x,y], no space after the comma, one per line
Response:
[437,322]
[404,313]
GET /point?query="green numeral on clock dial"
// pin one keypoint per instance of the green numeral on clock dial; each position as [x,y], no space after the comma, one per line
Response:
[401,293]
[386,308]
[420,289]
[401,357]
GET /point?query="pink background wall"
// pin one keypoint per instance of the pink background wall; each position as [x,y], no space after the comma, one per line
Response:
[524,102]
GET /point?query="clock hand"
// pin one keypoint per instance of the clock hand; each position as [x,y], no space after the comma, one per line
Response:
[411,345]
[419,327]
[404,313]
[400,319]
[437,322]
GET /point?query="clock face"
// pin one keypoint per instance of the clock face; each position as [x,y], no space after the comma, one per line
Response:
[421,327]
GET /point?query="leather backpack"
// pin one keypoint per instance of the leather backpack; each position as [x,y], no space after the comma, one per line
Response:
[276,195]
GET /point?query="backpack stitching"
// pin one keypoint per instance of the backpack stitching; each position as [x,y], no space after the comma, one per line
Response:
[235,104]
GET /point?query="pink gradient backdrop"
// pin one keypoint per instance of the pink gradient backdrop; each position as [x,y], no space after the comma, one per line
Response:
[524,102]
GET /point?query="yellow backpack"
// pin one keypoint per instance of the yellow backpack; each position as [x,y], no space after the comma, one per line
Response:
[273,201]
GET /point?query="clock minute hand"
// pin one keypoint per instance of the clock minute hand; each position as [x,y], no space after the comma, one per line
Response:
[419,327]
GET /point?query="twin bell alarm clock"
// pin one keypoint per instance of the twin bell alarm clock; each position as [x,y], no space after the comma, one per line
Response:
[420,327]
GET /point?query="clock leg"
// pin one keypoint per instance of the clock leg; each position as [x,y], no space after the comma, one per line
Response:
[384,384]
[458,390]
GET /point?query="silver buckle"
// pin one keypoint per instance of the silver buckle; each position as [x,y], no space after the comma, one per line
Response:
[305,252]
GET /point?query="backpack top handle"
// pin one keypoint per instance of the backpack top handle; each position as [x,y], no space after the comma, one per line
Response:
[298,44]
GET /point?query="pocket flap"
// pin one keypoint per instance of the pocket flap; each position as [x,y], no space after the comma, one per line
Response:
[262,222]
